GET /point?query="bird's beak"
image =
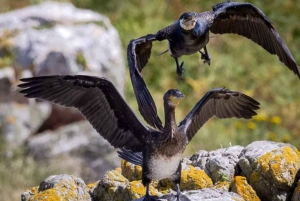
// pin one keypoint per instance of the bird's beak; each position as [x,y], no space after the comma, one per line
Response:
[190,23]
[176,99]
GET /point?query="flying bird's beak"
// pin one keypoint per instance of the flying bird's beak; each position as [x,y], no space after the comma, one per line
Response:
[176,99]
[189,23]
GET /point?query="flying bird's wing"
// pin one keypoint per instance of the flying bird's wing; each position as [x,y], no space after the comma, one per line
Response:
[98,100]
[221,103]
[138,53]
[247,20]
[135,158]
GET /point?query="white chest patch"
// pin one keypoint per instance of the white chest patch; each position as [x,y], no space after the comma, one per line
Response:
[161,167]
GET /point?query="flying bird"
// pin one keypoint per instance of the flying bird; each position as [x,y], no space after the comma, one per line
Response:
[190,34]
[101,104]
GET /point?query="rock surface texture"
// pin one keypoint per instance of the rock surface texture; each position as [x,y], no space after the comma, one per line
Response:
[254,167]
[56,38]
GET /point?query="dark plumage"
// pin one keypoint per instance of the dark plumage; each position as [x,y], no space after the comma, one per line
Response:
[190,34]
[101,104]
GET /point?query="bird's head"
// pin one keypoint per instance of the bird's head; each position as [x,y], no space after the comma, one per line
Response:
[173,97]
[187,21]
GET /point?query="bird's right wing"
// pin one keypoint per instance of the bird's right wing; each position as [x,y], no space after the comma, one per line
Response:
[138,53]
[98,100]
[222,103]
[247,20]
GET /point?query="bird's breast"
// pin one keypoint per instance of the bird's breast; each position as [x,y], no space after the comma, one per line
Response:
[161,167]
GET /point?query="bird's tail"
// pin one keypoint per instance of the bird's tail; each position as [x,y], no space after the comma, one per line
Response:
[135,158]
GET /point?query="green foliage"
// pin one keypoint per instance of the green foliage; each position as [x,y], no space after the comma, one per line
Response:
[237,64]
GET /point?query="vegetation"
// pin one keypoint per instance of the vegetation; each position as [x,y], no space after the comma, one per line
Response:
[237,64]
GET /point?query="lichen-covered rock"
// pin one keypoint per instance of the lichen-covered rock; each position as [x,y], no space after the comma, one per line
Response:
[240,186]
[59,187]
[270,168]
[219,165]
[130,171]
[212,194]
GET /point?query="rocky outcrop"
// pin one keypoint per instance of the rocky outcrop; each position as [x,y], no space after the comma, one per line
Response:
[56,38]
[254,166]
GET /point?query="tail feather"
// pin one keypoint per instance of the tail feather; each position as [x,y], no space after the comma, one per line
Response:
[135,158]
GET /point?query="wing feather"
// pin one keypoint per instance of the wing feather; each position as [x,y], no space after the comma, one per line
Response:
[247,20]
[98,100]
[221,103]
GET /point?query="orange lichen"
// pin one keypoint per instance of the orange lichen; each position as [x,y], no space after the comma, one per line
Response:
[137,189]
[224,185]
[280,165]
[130,171]
[240,186]
[194,179]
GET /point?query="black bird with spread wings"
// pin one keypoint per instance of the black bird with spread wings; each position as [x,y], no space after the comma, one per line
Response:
[101,104]
[190,34]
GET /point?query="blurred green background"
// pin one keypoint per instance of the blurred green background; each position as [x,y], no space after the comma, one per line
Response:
[237,63]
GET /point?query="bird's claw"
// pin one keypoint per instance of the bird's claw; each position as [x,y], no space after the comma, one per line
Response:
[205,58]
[180,71]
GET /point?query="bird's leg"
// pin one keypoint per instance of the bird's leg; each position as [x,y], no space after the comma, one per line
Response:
[176,180]
[146,182]
[179,69]
[205,56]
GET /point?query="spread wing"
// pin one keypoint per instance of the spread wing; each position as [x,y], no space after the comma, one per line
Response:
[138,53]
[221,103]
[247,20]
[98,100]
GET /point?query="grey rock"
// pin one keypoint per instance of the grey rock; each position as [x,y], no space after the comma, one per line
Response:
[84,152]
[57,38]
[220,164]
[18,121]
[65,187]
[270,168]
[212,194]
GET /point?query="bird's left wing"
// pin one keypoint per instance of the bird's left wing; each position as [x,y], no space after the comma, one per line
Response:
[221,103]
[98,100]
[138,53]
[135,158]
[247,20]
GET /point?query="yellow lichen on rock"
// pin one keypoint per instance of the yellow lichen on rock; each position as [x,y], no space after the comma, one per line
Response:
[224,185]
[137,190]
[194,179]
[240,186]
[281,165]
[130,171]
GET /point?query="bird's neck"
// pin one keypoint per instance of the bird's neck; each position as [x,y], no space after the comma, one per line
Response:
[170,122]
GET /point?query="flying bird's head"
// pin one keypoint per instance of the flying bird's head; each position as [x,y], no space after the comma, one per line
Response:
[187,21]
[173,97]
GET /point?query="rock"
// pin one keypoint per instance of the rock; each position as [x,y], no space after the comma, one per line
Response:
[18,121]
[84,152]
[209,194]
[57,38]
[220,165]
[59,187]
[240,186]
[270,168]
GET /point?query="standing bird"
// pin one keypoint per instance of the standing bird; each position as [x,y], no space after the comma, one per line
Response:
[101,104]
[190,34]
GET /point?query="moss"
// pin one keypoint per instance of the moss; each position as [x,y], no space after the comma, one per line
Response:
[81,61]
[240,186]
